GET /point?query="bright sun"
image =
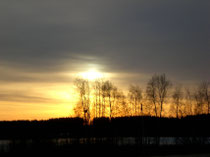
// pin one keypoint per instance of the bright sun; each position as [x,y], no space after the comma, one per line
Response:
[91,75]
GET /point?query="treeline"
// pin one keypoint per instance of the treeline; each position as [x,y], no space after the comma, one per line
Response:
[141,126]
[41,129]
[102,98]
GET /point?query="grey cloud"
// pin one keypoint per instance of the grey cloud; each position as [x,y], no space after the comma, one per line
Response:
[127,36]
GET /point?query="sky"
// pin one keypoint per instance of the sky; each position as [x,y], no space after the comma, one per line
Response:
[45,44]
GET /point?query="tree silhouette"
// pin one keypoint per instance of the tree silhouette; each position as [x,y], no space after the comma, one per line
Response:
[135,98]
[108,87]
[157,90]
[97,87]
[152,93]
[188,102]
[204,87]
[84,101]
[120,106]
[199,100]
[202,98]
[103,99]
[177,98]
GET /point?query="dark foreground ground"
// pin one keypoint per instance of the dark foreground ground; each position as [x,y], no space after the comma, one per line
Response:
[190,155]
[40,138]
[46,149]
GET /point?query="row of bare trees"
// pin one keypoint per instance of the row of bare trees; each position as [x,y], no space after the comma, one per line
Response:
[102,98]
[191,102]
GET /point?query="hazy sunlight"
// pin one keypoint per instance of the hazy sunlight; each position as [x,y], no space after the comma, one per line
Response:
[91,74]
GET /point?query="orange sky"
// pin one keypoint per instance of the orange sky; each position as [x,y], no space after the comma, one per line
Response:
[51,95]
[36,101]
[44,99]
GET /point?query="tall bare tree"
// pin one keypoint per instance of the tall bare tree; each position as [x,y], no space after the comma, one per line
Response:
[135,98]
[157,90]
[177,98]
[152,93]
[84,101]
[120,106]
[97,87]
[109,87]
[163,85]
[204,87]
[199,102]
[104,94]
[202,98]
[188,102]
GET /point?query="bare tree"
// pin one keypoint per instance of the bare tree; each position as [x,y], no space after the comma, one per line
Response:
[177,98]
[152,92]
[120,107]
[109,87]
[115,96]
[105,97]
[124,108]
[103,108]
[97,86]
[198,97]
[78,110]
[148,108]
[188,102]
[135,98]
[84,93]
[204,87]
[163,85]
[106,89]
[202,98]
[157,90]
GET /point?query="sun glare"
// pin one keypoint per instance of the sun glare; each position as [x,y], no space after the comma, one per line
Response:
[92,75]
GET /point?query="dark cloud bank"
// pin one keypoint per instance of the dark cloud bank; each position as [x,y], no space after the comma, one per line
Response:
[123,36]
